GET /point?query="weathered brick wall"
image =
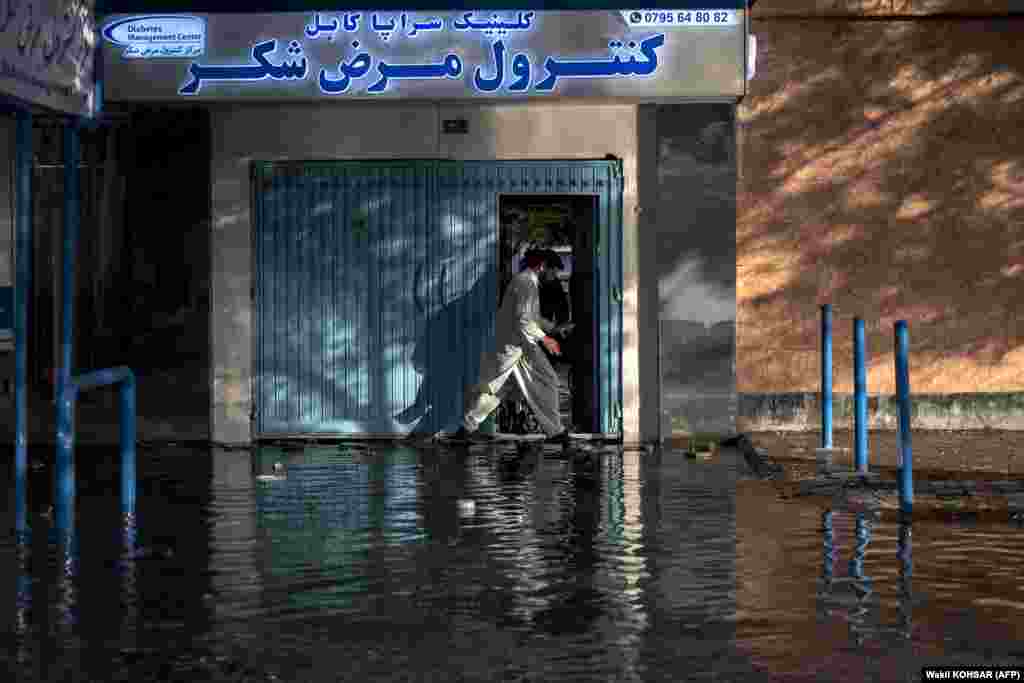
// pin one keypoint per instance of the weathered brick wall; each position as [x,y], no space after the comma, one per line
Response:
[882,8]
[881,169]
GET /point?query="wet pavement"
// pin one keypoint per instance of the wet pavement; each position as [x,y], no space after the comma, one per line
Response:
[395,563]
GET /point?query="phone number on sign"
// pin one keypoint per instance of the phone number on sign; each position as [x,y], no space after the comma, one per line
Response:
[683,18]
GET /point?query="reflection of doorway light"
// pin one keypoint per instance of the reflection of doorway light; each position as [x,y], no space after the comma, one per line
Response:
[633,562]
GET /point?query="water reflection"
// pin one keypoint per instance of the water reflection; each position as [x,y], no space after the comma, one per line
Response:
[853,597]
[23,599]
[495,563]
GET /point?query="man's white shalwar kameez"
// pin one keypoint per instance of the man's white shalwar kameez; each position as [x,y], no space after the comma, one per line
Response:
[518,330]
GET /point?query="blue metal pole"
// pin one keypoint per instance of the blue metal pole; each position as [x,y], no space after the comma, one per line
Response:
[906,460]
[64,502]
[860,398]
[826,376]
[128,445]
[22,292]
[125,378]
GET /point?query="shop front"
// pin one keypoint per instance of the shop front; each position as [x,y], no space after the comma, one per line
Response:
[375,178]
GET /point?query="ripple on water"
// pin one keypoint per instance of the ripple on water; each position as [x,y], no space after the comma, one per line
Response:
[628,568]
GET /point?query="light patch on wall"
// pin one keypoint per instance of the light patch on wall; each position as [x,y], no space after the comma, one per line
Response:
[457,228]
[839,234]
[685,296]
[1008,190]
[865,193]
[915,206]
[916,85]
[226,221]
[322,208]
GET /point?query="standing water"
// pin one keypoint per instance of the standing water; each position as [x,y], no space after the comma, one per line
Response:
[393,563]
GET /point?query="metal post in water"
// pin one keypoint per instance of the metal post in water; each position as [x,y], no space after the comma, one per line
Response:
[860,399]
[826,376]
[906,460]
[22,298]
[127,389]
[64,498]
[125,379]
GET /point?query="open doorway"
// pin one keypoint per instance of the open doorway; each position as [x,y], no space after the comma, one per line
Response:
[565,225]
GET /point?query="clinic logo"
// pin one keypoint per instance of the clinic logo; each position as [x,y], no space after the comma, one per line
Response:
[158,36]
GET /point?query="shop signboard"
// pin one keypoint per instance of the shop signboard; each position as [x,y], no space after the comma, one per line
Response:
[46,53]
[634,54]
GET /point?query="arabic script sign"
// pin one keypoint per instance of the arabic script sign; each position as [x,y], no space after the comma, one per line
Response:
[46,53]
[454,55]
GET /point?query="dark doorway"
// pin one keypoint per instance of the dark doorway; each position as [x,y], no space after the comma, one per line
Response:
[565,225]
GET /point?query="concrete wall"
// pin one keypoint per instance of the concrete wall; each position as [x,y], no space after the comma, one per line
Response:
[6,201]
[688,256]
[242,134]
[880,172]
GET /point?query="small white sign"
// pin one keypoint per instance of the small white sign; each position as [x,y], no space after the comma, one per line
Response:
[158,36]
[680,18]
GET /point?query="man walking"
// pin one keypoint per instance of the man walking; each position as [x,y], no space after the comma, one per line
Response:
[519,328]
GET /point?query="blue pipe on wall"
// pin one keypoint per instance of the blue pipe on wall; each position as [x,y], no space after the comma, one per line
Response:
[826,376]
[906,459]
[860,398]
[23,285]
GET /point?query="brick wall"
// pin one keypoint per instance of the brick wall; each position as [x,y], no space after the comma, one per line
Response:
[881,169]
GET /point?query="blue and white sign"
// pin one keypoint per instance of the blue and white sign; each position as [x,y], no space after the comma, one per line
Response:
[158,36]
[426,55]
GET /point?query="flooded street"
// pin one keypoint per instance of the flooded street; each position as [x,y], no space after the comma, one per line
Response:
[395,563]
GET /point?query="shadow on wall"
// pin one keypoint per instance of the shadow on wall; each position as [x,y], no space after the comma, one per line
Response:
[445,344]
[882,173]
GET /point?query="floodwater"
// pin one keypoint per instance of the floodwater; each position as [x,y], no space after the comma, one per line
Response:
[391,563]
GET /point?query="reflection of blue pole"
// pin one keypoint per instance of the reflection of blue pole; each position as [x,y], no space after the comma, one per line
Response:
[863,532]
[65,466]
[23,285]
[860,398]
[830,547]
[904,552]
[67,602]
[128,581]
[906,460]
[826,376]
[23,599]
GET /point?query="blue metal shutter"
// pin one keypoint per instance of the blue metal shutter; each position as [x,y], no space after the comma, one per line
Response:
[337,245]
[376,288]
